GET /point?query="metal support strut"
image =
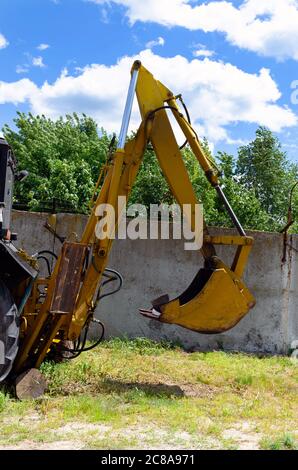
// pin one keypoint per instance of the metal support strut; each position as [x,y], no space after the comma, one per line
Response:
[230,211]
[128,105]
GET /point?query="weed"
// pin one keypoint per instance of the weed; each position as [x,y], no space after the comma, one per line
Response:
[283,442]
[3,400]
[244,380]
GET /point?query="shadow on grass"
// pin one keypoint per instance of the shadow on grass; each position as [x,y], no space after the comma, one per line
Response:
[149,389]
[110,386]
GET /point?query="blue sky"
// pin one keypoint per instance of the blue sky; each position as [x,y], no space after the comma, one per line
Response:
[233,61]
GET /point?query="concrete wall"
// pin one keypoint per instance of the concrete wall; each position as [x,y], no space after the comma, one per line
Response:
[153,267]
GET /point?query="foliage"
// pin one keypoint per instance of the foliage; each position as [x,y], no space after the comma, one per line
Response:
[64,158]
[284,442]
[263,167]
[3,400]
[150,186]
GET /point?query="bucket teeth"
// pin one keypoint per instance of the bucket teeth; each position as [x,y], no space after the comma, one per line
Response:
[150,313]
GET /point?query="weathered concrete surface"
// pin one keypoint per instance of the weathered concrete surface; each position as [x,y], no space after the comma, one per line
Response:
[153,267]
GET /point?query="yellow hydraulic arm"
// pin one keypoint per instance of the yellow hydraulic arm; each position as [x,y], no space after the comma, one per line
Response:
[217,298]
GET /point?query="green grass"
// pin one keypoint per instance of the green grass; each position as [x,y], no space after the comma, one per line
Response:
[285,442]
[3,401]
[141,394]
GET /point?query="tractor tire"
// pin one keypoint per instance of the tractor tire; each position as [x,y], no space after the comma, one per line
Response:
[9,331]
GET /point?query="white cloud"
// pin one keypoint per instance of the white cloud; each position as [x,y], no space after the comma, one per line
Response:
[43,47]
[22,68]
[268,27]
[155,42]
[3,42]
[38,62]
[17,92]
[203,53]
[217,94]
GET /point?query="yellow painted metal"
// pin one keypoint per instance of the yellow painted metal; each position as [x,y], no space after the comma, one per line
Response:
[152,95]
[194,143]
[243,244]
[216,305]
[236,240]
[132,158]
[240,260]
[44,347]
[89,231]
[33,334]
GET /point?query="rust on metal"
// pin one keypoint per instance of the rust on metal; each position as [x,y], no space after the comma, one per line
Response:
[290,222]
[69,278]
[53,232]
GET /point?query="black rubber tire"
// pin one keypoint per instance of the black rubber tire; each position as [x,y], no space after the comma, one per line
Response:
[9,331]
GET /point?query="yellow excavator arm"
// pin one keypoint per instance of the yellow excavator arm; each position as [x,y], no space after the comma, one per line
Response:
[217,298]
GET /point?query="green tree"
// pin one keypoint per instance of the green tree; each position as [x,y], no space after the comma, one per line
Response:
[243,199]
[150,186]
[294,228]
[63,158]
[262,166]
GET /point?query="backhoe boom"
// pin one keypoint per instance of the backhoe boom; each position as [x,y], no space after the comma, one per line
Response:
[217,298]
